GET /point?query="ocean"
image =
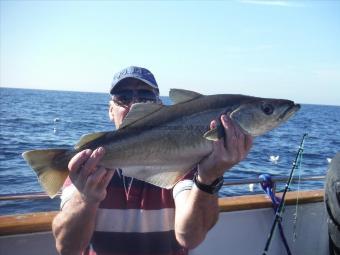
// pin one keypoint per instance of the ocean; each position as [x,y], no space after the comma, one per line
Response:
[32,119]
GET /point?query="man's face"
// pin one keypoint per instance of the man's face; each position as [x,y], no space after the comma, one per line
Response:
[132,92]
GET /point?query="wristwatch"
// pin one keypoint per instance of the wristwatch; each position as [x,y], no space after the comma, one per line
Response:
[212,188]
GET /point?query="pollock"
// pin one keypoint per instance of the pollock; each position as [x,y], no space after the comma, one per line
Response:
[159,144]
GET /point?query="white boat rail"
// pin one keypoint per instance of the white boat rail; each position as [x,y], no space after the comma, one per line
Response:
[227,182]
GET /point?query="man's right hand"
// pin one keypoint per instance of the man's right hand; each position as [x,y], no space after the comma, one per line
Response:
[90,179]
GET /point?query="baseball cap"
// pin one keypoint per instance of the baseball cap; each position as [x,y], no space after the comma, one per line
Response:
[135,72]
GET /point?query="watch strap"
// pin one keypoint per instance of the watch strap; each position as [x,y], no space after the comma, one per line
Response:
[213,188]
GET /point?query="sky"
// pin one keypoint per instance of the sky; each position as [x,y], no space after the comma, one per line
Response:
[278,49]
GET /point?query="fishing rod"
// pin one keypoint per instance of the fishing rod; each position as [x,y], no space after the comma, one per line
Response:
[278,214]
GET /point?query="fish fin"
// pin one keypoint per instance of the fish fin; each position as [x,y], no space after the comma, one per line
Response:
[139,111]
[181,95]
[51,173]
[215,134]
[85,139]
[165,180]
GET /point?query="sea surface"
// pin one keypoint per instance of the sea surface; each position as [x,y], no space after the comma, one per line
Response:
[32,119]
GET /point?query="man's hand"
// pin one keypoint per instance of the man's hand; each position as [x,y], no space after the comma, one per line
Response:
[89,179]
[226,152]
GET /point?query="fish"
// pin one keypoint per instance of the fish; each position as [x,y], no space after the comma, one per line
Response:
[158,143]
[332,201]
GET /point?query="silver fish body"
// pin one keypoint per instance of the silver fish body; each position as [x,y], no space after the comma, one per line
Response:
[160,144]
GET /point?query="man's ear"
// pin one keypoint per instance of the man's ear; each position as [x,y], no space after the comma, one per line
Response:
[111,114]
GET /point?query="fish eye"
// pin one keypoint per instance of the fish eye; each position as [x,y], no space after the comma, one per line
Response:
[268,109]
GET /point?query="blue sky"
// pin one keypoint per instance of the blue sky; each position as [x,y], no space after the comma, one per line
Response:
[280,49]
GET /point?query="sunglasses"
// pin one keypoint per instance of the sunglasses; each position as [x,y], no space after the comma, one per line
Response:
[126,97]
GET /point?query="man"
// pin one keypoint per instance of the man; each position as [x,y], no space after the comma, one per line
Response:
[104,212]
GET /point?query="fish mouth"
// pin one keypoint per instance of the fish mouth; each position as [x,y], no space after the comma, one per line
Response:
[289,111]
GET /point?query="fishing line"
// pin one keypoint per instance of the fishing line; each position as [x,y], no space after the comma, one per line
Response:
[297,199]
[278,214]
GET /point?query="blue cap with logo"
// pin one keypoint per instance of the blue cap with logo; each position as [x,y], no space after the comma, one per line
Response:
[135,72]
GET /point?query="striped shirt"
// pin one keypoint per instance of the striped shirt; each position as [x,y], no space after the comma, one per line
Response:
[134,218]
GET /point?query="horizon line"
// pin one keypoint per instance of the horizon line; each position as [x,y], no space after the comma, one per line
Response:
[96,92]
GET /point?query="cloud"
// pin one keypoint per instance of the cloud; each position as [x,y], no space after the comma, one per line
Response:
[280,3]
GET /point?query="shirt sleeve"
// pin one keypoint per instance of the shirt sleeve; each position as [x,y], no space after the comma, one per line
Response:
[185,183]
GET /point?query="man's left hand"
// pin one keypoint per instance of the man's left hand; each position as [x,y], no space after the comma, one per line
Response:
[226,152]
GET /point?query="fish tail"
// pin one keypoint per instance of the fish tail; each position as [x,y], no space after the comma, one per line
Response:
[50,165]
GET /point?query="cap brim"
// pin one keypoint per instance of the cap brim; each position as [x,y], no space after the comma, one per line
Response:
[115,86]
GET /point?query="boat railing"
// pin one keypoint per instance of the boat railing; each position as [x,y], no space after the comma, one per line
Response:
[25,196]
[275,179]
[41,221]
[228,182]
